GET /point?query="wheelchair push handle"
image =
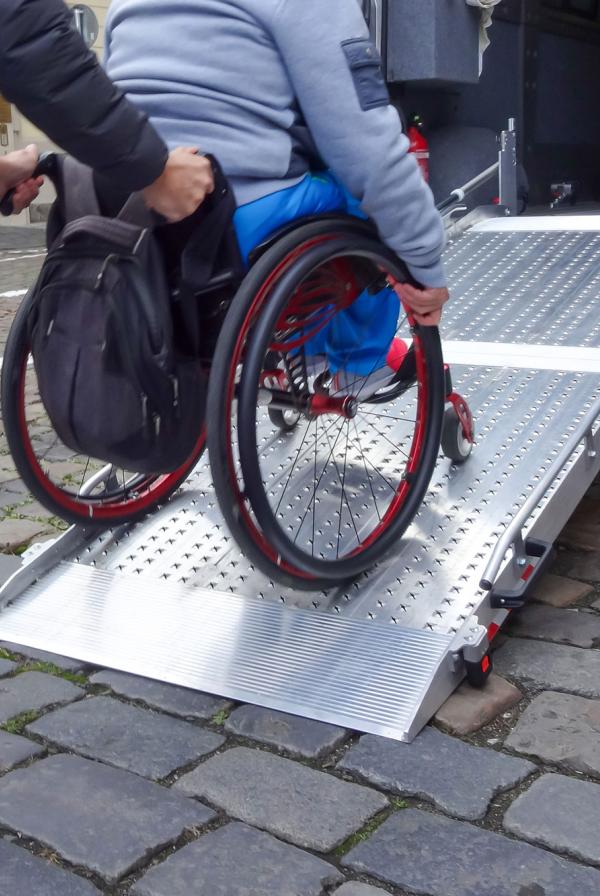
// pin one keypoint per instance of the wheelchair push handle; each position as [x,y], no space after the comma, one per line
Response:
[47,166]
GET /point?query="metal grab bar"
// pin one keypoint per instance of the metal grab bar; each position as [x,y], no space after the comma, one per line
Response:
[459,194]
[513,537]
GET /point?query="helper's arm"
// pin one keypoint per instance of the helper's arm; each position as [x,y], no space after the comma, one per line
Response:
[47,71]
[340,87]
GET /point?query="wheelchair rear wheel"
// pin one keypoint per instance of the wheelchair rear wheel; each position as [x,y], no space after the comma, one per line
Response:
[323,500]
[77,489]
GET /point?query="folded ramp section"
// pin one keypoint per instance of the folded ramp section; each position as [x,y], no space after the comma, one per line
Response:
[380,679]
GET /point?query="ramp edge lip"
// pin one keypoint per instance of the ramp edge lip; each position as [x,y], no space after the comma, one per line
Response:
[377,685]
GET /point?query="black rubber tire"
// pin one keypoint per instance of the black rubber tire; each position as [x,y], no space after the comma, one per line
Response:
[454,445]
[17,346]
[218,410]
[352,565]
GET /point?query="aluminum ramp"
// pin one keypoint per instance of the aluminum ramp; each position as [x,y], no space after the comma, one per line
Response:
[172,598]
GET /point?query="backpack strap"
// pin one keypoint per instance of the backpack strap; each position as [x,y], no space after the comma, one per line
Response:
[79,195]
[135,211]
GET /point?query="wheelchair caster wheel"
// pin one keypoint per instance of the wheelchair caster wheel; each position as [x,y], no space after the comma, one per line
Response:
[455,445]
[478,673]
[286,421]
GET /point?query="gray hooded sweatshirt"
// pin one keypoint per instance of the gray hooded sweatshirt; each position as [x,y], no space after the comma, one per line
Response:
[261,84]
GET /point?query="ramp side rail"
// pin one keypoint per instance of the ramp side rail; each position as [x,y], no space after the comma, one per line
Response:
[513,537]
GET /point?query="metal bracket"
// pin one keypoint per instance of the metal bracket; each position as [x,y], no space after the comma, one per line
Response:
[471,643]
[509,196]
[513,536]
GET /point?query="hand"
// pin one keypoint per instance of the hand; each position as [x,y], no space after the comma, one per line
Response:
[426,304]
[16,169]
[25,193]
[183,185]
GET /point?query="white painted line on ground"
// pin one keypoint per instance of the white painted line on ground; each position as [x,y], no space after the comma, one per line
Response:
[13,294]
[22,257]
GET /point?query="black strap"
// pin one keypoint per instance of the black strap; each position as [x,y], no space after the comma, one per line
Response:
[135,211]
[78,195]
[212,229]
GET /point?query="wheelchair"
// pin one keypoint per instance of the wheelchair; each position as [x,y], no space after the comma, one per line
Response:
[317,476]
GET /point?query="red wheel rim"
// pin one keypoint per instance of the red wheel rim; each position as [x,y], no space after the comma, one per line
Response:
[147,493]
[415,451]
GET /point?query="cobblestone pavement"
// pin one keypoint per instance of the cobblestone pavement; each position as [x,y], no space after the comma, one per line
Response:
[122,786]
[21,517]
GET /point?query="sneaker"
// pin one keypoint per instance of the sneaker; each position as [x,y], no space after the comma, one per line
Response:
[399,365]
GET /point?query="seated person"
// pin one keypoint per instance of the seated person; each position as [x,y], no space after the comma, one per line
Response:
[290,97]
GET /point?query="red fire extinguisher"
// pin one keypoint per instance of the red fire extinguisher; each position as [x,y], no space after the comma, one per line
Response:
[419,144]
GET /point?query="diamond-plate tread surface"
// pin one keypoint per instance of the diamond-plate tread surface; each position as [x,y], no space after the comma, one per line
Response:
[520,287]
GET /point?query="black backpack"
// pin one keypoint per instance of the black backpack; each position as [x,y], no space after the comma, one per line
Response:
[110,371]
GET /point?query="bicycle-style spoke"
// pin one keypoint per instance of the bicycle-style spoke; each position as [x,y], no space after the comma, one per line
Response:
[392,486]
[319,480]
[367,474]
[351,464]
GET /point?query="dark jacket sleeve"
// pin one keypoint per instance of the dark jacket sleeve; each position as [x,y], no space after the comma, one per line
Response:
[56,82]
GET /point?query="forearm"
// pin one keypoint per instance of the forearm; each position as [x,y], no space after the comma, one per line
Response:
[57,83]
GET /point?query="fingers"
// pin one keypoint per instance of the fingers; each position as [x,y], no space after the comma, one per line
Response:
[184,184]
[20,164]
[426,304]
[25,193]
[433,319]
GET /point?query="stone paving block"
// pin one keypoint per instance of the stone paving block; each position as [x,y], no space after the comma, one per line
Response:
[18,237]
[307,807]
[14,750]
[7,499]
[581,565]
[558,591]
[141,741]
[429,854]
[304,737]
[6,667]
[353,888]
[560,813]
[582,532]
[22,874]
[168,697]
[238,861]
[33,691]
[579,628]
[562,729]
[7,472]
[457,777]
[33,510]
[9,564]
[596,605]
[16,533]
[16,487]
[66,664]
[469,709]
[552,666]
[101,818]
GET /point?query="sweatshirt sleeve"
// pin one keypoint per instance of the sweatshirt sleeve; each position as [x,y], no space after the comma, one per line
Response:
[49,74]
[336,73]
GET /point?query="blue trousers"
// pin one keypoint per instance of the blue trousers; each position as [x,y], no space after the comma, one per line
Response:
[357,339]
